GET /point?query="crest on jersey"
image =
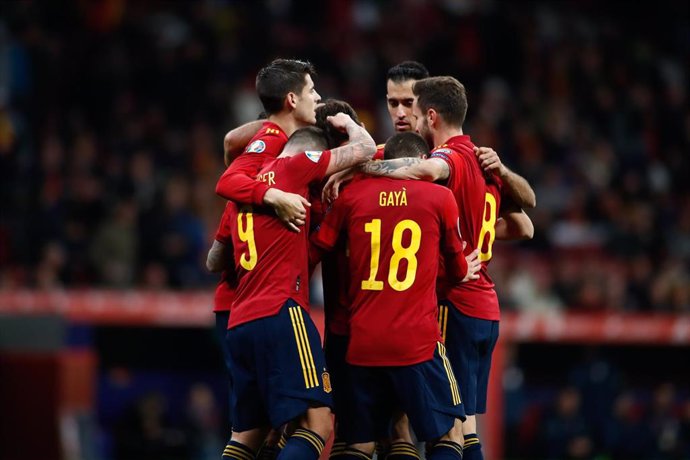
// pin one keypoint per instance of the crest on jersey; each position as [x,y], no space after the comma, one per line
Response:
[257,147]
[313,155]
[326,377]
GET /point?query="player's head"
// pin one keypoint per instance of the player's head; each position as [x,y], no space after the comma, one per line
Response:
[286,84]
[305,139]
[328,109]
[439,100]
[405,145]
[399,97]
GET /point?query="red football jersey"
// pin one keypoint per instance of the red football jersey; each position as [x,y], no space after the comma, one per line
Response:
[479,199]
[237,182]
[379,152]
[225,290]
[396,231]
[271,261]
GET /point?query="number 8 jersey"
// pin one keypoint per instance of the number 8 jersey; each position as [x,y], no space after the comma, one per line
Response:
[479,199]
[396,232]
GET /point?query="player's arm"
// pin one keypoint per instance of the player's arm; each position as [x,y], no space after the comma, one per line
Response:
[237,185]
[432,169]
[360,146]
[513,223]
[217,258]
[220,254]
[516,185]
[237,139]
[459,267]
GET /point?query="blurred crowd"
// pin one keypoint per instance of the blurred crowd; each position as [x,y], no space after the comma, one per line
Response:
[112,115]
[597,410]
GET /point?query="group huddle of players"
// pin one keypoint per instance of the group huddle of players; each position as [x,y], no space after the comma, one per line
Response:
[404,233]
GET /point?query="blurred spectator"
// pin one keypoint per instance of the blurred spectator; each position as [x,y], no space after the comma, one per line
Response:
[203,423]
[565,432]
[145,432]
[624,432]
[114,247]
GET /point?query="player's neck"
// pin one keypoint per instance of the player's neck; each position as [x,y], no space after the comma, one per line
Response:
[286,122]
[443,134]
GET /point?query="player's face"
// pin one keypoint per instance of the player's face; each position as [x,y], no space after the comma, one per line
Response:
[421,125]
[308,99]
[400,99]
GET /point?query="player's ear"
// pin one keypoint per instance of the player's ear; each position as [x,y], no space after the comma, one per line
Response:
[431,117]
[291,100]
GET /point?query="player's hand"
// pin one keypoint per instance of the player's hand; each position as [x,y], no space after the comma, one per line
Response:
[332,187]
[473,266]
[291,208]
[489,160]
[340,121]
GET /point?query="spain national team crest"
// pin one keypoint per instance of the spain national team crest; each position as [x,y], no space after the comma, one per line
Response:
[313,155]
[326,377]
[257,147]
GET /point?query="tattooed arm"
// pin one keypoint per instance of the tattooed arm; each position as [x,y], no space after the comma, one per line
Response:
[359,148]
[431,170]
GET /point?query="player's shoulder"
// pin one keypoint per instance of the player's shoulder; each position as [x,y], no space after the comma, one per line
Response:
[379,152]
[269,135]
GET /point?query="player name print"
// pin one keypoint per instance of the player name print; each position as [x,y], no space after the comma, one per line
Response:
[268,177]
[393,198]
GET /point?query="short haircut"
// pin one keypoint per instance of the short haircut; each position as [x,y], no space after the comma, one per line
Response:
[328,109]
[309,138]
[407,70]
[405,145]
[277,79]
[445,95]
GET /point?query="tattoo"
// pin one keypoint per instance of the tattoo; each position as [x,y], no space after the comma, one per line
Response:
[360,149]
[388,167]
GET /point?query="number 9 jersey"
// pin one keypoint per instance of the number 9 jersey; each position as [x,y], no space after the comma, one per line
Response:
[479,199]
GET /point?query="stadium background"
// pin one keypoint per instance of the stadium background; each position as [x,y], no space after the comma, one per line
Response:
[112,115]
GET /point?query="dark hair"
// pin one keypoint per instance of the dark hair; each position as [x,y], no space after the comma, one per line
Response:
[277,79]
[446,95]
[309,138]
[405,145]
[328,109]
[407,70]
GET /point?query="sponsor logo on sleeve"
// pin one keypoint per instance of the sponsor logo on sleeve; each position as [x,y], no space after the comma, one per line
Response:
[313,155]
[256,147]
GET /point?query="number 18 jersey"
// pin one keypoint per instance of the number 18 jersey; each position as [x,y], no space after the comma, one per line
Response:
[396,230]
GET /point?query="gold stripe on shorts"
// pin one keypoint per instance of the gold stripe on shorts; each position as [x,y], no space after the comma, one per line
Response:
[311,379]
[449,372]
